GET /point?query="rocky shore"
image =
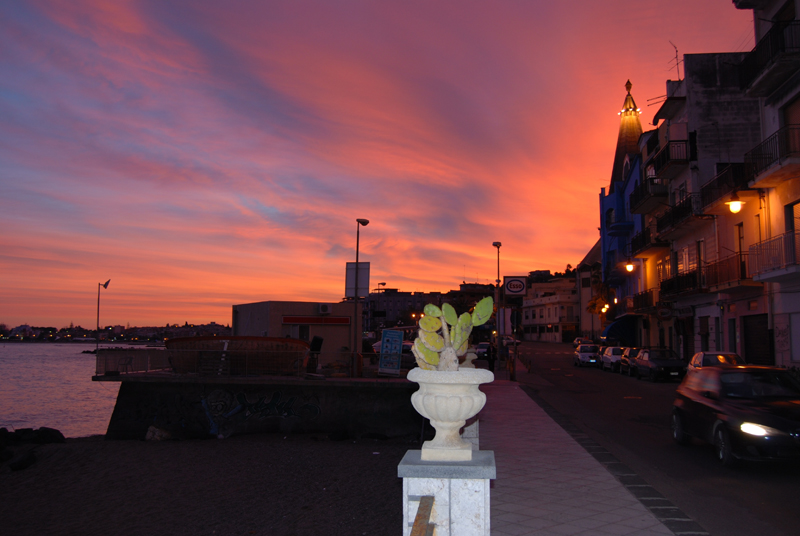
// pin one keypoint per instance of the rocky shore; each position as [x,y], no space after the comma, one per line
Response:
[265,484]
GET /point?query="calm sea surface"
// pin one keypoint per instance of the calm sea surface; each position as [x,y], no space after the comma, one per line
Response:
[44,384]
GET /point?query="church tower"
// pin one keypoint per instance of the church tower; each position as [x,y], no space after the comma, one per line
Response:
[630,128]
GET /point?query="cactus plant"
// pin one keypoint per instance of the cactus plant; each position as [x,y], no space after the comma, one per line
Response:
[444,336]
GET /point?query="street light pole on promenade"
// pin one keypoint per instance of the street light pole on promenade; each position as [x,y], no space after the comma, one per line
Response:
[356,337]
[97,332]
[497,298]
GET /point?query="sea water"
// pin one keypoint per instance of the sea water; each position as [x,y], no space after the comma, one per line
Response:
[45,384]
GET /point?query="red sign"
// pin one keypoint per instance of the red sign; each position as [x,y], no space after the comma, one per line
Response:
[335,320]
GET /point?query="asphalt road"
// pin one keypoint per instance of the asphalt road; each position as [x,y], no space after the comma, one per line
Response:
[631,419]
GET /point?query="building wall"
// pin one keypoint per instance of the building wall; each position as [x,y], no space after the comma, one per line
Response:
[266,319]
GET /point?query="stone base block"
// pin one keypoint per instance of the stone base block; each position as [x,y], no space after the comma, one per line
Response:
[460,491]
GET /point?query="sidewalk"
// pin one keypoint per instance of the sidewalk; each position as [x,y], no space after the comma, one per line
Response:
[547,484]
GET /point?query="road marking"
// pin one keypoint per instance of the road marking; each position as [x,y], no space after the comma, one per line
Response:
[555,369]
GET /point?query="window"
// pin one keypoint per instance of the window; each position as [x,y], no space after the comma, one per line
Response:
[586,282]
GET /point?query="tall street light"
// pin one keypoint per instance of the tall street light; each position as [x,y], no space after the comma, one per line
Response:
[97,332]
[359,223]
[497,294]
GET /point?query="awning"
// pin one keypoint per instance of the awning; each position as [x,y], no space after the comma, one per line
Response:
[622,330]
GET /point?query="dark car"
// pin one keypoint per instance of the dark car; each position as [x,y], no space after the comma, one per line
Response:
[625,362]
[747,412]
[659,363]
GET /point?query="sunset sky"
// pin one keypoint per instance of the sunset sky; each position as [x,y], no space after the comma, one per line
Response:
[202,154]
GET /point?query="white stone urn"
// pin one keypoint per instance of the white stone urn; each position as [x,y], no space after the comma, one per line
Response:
[448,399]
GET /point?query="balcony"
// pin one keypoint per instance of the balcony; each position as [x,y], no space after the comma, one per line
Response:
[671,160]
[775,159]
[685,283]
[646,244]
[619,227]
[647,195]
[645,301]
[684,214]
[774,59]
[775,259]
[729,273]
[714,192]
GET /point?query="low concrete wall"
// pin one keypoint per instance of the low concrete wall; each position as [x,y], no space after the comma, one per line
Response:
[195,409]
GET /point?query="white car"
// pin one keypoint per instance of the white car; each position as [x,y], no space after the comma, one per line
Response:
[713,359]
[585,354]
[610,358]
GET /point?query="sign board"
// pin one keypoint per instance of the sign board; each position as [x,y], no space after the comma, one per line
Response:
[515,285]
[391,350]
[363,280]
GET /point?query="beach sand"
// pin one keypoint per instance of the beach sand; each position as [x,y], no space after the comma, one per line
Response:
[263,484]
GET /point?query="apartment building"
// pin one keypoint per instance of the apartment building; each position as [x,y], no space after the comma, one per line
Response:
[770,73]
[550,309]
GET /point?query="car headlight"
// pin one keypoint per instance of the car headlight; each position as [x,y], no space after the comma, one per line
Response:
[759,429]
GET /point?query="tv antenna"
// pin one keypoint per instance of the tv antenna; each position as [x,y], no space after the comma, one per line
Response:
[677,60]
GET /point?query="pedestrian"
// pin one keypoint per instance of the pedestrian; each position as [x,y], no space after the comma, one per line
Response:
[491,356]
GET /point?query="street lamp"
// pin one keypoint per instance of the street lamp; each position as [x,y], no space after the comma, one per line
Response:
[359,223]
[97,332]
[735,204]
[497,287]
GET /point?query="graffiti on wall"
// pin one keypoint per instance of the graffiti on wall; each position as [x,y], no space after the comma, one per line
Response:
[224,409]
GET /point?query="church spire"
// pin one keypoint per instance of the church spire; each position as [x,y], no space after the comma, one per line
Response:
[630,128]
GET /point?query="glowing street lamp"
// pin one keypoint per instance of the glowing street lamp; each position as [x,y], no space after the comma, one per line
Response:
[735,204]
[97,332]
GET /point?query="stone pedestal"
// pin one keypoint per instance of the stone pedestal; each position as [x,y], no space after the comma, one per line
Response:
[460,490]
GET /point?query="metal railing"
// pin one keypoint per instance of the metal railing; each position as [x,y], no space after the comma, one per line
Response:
[727,270]
[784,143]
[729,179]
[422,522]
[680,212]
[683,282]
[649,187]
[645,300]
[774,254]
[674,152]
[782,38]
[209,362]
[640,241]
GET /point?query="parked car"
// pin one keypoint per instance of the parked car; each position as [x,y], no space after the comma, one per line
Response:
[658,363]
[508,340]
[482,349]
[625,362]
[585,354]
[581,340]
[713,359]
[610,358]
[747,412]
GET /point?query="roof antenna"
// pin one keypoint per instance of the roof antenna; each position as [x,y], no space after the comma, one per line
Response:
[677,60]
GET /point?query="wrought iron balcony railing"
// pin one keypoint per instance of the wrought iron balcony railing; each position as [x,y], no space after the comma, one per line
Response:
[774,254]
[674,152]
[645,239]
[682,211]
[681,283]
[728,270]
[783,38]
[729,179]
[645,300]
[784,143]
[645,191]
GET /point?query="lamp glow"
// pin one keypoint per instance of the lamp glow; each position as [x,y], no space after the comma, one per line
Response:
[735,204]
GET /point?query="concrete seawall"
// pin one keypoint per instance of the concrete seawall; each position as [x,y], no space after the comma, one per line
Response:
[193,406]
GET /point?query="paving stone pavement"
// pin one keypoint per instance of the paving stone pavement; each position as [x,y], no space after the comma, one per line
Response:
[548,484]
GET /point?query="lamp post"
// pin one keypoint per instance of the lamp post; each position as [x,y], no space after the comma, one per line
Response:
[97,332]
[497,297]
[359,223]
